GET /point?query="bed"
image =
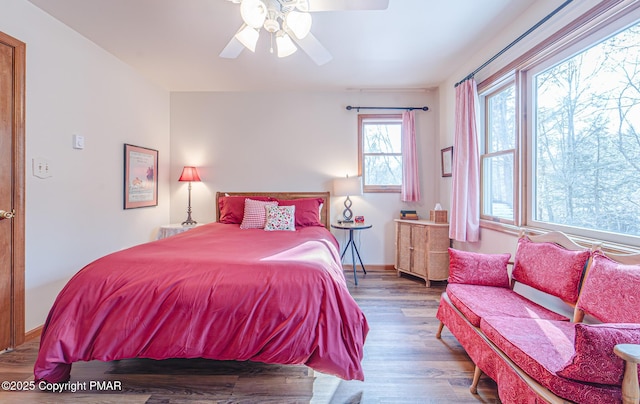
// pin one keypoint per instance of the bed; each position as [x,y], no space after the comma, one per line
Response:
[218,291]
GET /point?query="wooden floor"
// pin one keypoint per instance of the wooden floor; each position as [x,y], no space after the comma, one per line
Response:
[403,363]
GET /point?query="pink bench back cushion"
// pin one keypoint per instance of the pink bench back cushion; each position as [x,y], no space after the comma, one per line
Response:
[611,291]
[550,268]
[478,269]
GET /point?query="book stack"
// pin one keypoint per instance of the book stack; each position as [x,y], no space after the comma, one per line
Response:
[408,215]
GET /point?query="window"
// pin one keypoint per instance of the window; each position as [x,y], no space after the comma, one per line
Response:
[380,156]
[497,162]
[577,110]
[585,160]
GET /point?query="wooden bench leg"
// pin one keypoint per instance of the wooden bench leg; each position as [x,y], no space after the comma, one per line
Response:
[476,379]
[440,328]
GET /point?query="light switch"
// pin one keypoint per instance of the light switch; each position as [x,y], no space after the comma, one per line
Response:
[41,168]
[78,142]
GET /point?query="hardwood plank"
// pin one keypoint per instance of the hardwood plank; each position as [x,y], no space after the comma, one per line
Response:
[403,363]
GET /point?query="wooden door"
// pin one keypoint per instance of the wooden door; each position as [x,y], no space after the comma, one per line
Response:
[419,241]
[12,72]
[403,246]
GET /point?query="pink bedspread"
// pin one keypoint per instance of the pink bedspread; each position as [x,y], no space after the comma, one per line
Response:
[214,292]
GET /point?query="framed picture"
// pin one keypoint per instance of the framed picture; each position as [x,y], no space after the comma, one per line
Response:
[140,177]
[447,161]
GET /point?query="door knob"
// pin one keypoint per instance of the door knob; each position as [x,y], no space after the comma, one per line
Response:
[7,215]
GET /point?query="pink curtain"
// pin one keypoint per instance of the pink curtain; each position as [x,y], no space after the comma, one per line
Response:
[465,193]
[410,177]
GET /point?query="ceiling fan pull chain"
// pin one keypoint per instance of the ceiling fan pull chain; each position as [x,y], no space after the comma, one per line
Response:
[271,49]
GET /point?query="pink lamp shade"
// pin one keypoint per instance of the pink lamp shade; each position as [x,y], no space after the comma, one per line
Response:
[189,174]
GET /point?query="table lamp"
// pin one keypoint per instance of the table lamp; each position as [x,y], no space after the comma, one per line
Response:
[189,174]
[348,186]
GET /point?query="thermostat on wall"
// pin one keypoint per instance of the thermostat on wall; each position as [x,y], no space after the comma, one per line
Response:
[78,142]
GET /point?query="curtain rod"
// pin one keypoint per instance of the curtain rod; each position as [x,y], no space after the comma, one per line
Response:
[518,39]
[349,108]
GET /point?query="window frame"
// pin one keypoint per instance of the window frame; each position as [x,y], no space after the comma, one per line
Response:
[485,154]
[592,27]
[362,118]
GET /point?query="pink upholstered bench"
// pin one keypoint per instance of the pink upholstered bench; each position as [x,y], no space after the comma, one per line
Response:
[533,352]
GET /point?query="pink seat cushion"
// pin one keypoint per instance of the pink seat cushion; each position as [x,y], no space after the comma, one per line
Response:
[541,348]
[478,269]
[476,302]
[550,268]
[611,291]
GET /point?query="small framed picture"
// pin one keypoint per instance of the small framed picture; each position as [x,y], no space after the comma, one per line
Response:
[140,177]
[446,155]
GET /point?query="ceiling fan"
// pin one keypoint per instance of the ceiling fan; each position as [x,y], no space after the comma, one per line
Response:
[288,21]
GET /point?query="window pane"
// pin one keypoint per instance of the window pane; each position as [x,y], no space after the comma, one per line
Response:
[587,144]
[498,185]
[502,119]
[382,138]
[383,170]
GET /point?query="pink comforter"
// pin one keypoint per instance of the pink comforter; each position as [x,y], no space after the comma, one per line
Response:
[214,292]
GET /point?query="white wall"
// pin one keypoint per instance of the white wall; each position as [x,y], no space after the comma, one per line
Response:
[289,141]
[75,87]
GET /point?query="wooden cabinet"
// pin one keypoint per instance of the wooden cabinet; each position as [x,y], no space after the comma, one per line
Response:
[421,249]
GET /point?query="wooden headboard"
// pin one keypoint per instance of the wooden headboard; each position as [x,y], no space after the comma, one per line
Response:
[325,216]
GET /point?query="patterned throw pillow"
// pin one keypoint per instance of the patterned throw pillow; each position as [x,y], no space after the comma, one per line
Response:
[280,218]
[594,360]
[254,214]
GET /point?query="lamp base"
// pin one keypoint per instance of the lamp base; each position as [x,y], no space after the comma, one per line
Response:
[189,222]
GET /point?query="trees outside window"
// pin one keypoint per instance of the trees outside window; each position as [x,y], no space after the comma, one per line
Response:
[578,114]
[380,156]
[586,160]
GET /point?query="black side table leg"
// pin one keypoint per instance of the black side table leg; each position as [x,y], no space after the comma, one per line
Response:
[360,259]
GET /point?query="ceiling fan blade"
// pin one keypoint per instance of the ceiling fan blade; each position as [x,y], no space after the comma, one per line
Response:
[333,5]
[233,49]
[312,47]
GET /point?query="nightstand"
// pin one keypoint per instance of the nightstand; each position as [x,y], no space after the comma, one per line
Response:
[169,230]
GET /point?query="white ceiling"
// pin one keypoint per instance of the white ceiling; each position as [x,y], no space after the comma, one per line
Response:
[175,43]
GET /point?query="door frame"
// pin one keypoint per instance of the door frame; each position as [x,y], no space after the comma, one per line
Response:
[18,191]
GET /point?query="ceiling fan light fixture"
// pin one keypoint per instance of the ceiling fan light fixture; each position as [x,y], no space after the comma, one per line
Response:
[248,37]
[272,25]
[253,12]
[299,23]
[285,45]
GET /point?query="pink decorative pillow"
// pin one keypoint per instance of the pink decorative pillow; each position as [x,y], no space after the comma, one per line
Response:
[478,269]
[307,210]
[280,218]
[611,291]
[255,215]
[594,360]
[550,268]
[232,208]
